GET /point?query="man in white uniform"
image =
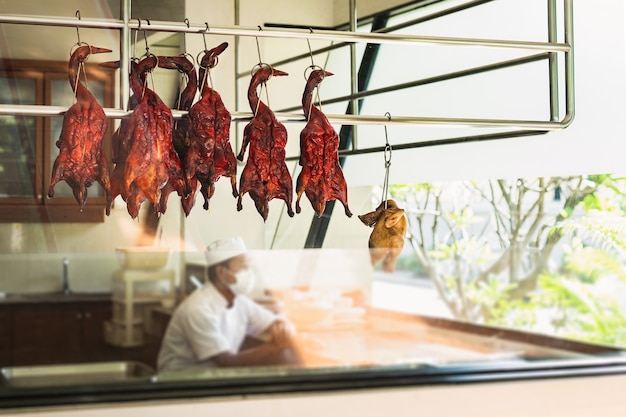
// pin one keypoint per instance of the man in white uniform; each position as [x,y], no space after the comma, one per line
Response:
[208,328]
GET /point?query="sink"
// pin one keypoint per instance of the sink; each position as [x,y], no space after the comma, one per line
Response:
[75,374]
[53,297]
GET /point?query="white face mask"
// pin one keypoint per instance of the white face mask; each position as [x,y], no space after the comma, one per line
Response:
[245,282]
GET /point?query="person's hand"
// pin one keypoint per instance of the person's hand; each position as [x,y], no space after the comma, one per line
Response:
[281,334]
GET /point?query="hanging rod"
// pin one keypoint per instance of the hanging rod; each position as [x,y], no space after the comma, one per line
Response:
[329,35]
[437,142]
[348,119]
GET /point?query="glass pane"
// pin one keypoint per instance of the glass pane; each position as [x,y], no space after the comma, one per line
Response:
[17,140]
[62,95]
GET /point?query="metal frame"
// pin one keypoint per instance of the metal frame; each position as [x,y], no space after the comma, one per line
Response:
[552,48]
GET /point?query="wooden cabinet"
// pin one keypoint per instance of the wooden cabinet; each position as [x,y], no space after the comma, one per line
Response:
[60,333]
[45,333]
[6,337]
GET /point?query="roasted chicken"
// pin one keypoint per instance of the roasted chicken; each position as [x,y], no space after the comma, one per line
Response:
[81,160]
[387,239]
[265,175]
[321,177]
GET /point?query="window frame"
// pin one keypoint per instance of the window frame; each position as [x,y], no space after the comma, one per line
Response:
[39,208]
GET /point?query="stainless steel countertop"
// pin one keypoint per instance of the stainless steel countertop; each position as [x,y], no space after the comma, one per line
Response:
[57,297]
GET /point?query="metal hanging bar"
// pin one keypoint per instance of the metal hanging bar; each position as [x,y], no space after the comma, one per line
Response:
[329,35]
[348,119]
[430,80]
[372,37]
[125,56]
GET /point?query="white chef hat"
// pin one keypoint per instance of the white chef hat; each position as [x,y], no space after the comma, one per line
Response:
[224,249]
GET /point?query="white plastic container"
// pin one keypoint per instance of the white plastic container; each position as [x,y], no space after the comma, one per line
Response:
[143,257]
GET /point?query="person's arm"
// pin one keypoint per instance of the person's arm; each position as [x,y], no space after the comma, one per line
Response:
[279,339]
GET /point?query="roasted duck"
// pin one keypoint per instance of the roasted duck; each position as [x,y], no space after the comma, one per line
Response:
[209,153]
[121,139]
[225,163]
[321,177]
[180,137]
[152,160]
[265,175]
[81,160]
[387,239]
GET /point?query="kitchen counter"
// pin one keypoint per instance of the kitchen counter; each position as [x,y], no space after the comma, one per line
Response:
[47,298]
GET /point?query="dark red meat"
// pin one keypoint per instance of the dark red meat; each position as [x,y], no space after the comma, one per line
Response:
[81,160]
[321,177]
[209,155]
[152,160]
[122,139]
[265,175]
[180,138]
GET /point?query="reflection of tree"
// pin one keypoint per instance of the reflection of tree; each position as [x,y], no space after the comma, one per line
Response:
[496,236]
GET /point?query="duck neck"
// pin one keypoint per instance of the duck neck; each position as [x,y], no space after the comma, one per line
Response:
[307,96]
[253,95]
[188,94]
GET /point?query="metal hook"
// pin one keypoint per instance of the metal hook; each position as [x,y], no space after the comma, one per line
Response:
[206,25]
[258,48]
[77,14]
[185,21]
[308,41]
[136,34]
[387,156]
[145,39]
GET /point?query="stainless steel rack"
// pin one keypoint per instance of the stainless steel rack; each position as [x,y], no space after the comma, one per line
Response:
[546,50]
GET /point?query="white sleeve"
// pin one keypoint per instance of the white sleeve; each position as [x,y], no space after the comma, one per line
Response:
[202,331]
[259,317]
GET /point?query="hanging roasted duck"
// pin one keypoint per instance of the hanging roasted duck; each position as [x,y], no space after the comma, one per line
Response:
[180,138]
[121,138]
[321,178]
[81,160]
[265,175]
[225,163]
[209,155]
[152,160]
[387,239]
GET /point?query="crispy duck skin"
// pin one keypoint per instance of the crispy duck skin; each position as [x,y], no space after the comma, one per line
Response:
[180,138]
[225,163]
[81,160]
[121,139]
[265,175]
[152,160]
[209,134]
[321,178]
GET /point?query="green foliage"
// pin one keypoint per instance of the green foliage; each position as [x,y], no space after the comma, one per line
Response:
[518,282]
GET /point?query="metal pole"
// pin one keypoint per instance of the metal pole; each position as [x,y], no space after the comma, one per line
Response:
[568,14]
[354,89]
[328,35]
[430,80]
[553,63]
[237,48]
[347,119]
[125,55]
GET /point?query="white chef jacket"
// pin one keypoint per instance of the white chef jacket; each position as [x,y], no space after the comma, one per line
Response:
[203,326]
